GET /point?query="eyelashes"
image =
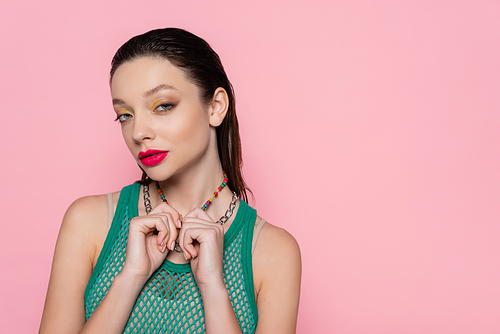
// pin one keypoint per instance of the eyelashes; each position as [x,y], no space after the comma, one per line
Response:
[122,118]
[161,108]
[164,107]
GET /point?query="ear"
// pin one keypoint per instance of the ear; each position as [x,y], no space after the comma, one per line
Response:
[218,107]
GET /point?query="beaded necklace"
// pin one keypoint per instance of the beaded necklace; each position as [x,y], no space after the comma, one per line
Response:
[207,203]
[222,220]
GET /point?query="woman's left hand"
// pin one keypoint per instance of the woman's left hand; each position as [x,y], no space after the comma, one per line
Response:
[202,241]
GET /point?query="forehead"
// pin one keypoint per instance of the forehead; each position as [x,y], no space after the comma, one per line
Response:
[143,74]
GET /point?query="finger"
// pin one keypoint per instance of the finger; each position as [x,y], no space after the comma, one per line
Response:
[199,222]
[199,213]
[165,208]
[142,226]
[186,254]
[163,231]
[173,232]
[201,231]
[186,239]
[166,238]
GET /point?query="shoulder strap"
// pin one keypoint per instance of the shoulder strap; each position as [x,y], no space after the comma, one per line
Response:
[126,208]
[250,217]
[111,209]
[256,232]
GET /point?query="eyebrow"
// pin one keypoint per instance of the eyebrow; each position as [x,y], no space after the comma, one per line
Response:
[118,101]
[157,89]
[148,93]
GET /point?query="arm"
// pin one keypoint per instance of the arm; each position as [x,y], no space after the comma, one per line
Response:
[277,273]
[202,240]
[219,313]
[73,260]
[76,245]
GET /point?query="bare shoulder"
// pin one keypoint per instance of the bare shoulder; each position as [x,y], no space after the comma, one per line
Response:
[89,212]
[86,216]
[82,232]
[275,244]
[277,269]
[87,220]
[83,212]
[275,250]
[72,265]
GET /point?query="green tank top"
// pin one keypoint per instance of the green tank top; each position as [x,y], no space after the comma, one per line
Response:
[170,301]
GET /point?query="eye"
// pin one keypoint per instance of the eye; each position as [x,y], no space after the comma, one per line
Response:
[123,117]
[164,107]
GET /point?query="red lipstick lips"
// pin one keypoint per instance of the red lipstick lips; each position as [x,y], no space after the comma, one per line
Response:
[152,157]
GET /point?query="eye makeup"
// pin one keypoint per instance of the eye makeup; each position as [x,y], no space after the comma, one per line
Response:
[122,118]
[163,105]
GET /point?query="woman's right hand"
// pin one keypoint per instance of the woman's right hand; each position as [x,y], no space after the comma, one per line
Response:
[149,240]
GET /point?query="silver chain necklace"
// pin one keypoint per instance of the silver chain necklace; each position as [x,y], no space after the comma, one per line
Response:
[222,220]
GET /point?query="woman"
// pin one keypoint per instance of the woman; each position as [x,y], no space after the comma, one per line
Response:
[192,265]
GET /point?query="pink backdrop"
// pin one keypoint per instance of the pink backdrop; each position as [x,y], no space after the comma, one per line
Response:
[370,131]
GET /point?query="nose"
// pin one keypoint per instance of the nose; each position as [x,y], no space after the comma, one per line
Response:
[142,128]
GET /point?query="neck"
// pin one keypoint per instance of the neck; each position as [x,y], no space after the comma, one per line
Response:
[192,187]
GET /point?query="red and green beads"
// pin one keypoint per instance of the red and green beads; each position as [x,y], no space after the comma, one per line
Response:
[207,203]
[219,188]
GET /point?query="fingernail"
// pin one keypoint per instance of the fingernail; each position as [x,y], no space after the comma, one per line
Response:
[184,256]
[163,250]
[179,224]
[162,242]
[172,245]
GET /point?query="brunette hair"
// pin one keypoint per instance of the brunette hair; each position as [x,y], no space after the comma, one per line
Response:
[202,66]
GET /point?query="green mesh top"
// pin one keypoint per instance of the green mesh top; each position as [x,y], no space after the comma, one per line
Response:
[170,301]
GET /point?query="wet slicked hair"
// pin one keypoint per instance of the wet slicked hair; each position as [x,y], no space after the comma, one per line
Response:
[203,67]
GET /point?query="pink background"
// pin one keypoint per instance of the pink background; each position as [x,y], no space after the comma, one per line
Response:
[370,131]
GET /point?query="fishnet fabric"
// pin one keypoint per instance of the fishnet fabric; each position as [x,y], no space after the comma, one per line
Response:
[170,301]
[235,284]
[112,267]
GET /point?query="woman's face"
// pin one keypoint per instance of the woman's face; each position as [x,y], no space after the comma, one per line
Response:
[165,125]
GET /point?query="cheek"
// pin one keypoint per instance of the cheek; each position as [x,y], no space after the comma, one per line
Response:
[194,128]
[127,137]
